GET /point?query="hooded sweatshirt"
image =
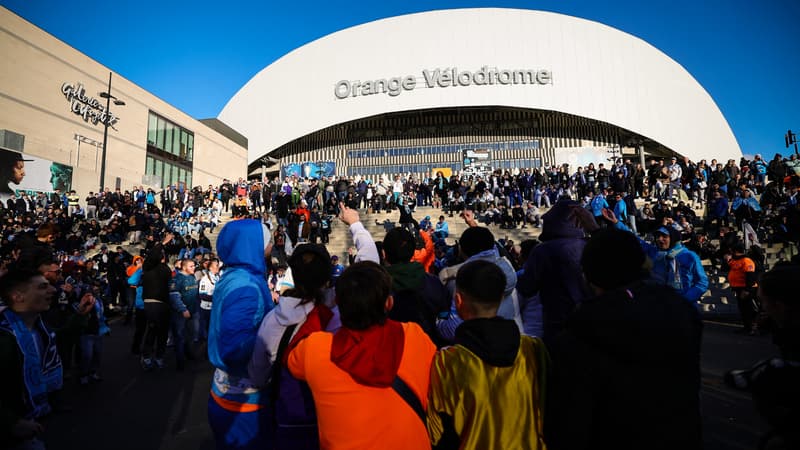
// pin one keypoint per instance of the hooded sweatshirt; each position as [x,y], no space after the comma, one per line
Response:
[509,307]
[241,300]
[487,388]
[553,269]
[418,297]
[677,267]
[350,374]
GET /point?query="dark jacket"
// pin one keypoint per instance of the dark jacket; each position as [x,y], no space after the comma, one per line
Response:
[626,373]
[155,282]
[553,269]
[418,297]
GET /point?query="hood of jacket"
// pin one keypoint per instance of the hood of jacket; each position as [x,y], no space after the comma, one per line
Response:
[372,356]
[495,340]
[291,310]
[449,273]
[406,276]
[558,223]
[241,244]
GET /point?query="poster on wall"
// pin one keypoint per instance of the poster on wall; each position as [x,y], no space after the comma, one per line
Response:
[581,156]
[310,169]
[25,173]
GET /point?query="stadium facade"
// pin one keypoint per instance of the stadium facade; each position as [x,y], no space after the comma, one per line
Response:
[502,88]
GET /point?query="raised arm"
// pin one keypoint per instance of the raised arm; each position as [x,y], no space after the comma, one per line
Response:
[366,250]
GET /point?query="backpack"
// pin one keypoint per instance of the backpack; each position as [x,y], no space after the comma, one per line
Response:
[294,416]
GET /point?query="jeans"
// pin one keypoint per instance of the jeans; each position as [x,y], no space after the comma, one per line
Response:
[184,331]
[91,350]
[205,320]
[130,299]
[632,224]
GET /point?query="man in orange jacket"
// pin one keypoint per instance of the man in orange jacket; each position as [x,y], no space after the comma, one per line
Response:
[742,278]
[369,379]
[427,254]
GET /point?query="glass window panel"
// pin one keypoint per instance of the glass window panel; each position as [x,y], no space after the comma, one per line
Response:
[168,130]
[176,139]
[151,129]
[159,168]
[189,178]
[148,167]
[159,133]
[184,141]
[190,151]
[181,174]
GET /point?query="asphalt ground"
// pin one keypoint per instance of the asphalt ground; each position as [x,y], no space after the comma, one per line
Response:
[165,410]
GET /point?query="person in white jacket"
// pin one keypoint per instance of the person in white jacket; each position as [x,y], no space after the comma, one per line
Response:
[307,305]
[305,293]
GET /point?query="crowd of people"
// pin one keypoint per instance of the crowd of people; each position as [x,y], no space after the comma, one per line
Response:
[416,342]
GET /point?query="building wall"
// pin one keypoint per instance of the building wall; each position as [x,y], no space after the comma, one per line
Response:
[459,130]
[36,64]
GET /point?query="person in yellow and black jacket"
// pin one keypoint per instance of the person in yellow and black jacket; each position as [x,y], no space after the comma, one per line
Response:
[487,391]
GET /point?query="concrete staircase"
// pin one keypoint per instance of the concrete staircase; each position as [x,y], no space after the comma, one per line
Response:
[340,240]
[719,299]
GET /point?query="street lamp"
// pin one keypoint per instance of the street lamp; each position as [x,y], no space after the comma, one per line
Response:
[107,95]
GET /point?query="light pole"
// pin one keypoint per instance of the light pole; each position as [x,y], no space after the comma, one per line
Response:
[107,95]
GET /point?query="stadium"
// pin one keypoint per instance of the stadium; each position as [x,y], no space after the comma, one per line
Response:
[473,89]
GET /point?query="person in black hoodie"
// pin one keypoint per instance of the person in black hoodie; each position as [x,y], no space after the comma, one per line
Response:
[156,277]
[626,368]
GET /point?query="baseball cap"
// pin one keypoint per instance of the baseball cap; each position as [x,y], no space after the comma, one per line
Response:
[662,230]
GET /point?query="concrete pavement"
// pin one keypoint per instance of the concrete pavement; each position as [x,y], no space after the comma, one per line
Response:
[166,410]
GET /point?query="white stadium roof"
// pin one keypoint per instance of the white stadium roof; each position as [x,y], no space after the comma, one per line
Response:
[503,57]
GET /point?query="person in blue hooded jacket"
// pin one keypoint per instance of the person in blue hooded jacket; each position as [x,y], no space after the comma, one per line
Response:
[598,204]
[673,264]
[237,407]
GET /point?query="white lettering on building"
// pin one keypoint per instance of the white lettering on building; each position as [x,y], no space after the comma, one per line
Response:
[442,78]
[87,107]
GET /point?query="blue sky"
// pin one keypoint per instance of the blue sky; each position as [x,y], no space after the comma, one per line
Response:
[197,54]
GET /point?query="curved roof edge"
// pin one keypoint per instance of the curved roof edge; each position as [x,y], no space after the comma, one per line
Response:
[592,70]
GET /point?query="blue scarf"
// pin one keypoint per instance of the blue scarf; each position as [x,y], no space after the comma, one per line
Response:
[41,368]
[672,275]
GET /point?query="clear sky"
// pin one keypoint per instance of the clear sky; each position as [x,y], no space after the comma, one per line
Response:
[197,54]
